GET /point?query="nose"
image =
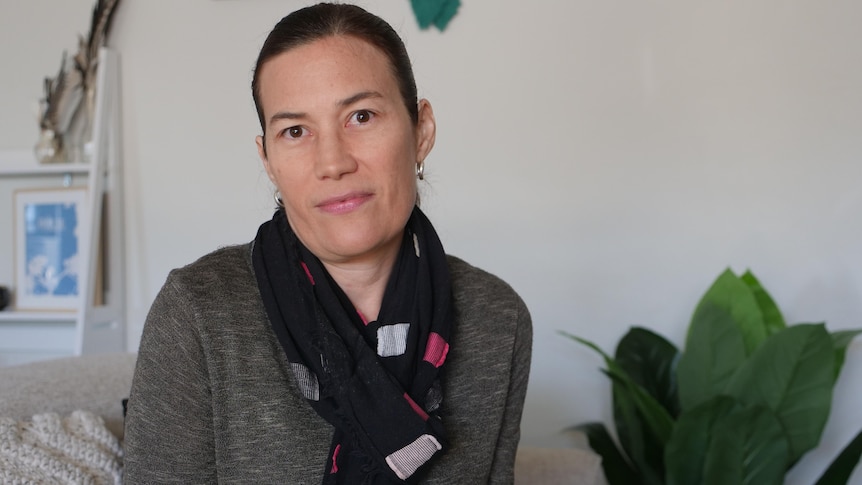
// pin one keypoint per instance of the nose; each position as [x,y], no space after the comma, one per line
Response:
[334,158]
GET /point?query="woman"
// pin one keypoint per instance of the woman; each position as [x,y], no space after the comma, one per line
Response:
[342,345]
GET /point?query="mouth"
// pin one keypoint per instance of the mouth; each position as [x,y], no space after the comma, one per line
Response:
[344,203]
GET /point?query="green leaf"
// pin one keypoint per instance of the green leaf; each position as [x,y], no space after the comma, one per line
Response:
[840,470]
[629,425]
[630,430]
[791,374]
[713,352]
[642,423]
[685,453]
[618,471]
[840,341]
[747,447]
[731,294]
[719,441]
[650,360]
[589,344]
[772,319]
[643,426]
[657,419]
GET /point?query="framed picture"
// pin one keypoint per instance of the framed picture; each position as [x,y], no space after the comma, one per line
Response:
[48,227]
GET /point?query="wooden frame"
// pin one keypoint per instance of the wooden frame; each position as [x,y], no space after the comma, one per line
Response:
[48,247]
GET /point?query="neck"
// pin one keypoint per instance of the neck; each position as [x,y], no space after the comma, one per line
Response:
[364,283]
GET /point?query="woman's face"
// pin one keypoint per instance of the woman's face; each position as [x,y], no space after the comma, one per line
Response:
[341,147]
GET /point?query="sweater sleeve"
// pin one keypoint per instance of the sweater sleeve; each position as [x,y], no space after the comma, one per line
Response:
[169,425]
[510,433]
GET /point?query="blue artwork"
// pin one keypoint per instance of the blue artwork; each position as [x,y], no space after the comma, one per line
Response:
[51,249]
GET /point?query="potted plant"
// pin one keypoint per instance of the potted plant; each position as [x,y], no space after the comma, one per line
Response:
[742,403]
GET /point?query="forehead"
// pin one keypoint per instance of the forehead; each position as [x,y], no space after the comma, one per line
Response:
[336,65]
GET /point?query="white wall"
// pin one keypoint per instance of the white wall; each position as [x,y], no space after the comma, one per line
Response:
[607,158]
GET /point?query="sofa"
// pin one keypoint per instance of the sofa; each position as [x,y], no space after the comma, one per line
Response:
[78,401]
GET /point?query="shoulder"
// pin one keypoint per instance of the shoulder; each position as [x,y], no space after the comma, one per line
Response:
[475,286]
[485,304]
[228,265]
[220,279]
[225,271]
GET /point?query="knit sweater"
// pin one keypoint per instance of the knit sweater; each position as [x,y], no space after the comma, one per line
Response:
[214,399]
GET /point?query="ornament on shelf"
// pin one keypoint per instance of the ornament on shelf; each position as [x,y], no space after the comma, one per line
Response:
[67,111]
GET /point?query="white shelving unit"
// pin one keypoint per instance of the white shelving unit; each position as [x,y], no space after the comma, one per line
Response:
[93,328]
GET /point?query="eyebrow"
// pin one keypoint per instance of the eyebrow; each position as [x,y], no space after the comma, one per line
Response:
[289,115]
[359,97]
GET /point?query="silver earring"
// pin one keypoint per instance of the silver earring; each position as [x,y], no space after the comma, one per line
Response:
[420,170]
[277,196]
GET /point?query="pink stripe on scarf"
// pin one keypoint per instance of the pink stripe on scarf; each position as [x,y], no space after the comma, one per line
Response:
[334,457]
[307,272]
[436,350]
[421,412]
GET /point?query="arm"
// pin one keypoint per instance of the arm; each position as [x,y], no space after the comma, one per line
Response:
[169,431]
[510,433]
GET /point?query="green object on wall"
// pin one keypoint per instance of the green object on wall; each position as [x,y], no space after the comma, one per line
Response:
[436,12]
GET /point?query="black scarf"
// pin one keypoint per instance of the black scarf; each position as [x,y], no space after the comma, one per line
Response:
[377,383]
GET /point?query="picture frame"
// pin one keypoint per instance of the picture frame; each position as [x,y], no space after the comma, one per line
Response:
[48,229]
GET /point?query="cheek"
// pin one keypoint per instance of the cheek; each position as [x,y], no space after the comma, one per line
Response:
[288,185]
[283,169]
[404,173]
[408,188]
[405,164]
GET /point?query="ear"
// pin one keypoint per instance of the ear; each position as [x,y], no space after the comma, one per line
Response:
[261,152]
[426,130]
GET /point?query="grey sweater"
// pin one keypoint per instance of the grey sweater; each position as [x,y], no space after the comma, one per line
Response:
[214,400]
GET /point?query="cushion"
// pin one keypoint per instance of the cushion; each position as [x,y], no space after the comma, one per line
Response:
[558,466]
[95,383]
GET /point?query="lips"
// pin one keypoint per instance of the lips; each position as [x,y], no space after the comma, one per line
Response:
[341,204]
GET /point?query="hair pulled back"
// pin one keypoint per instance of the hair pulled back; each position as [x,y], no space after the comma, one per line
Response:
[312,23]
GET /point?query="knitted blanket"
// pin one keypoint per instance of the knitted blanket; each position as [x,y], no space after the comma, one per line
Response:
[76,449]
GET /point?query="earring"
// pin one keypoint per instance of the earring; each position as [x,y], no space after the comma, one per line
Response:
[277,196]
[420,170]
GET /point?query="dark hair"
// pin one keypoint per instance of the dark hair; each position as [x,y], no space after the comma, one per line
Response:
[327,19]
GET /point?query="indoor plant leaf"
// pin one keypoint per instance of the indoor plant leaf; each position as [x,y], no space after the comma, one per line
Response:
[840,341]
[842,467]
[608,358]
[748,447]
[791,374]
[618,471]
[755,394]
[685,453]
[772,319]
[719,441]
[643,425]
[632,438]
[714,350]
[731,294]
[650,360]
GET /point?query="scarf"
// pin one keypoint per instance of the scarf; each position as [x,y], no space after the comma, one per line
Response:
[377,383]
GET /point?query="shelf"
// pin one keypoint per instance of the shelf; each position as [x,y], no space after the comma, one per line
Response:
[27,335]
[22,163]
[19,316]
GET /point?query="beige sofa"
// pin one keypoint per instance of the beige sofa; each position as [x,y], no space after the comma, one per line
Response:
[99,384]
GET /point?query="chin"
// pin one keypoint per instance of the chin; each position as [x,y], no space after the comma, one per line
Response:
[360,246]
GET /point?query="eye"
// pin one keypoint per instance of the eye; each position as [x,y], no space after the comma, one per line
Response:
[362,116]
[294,132]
